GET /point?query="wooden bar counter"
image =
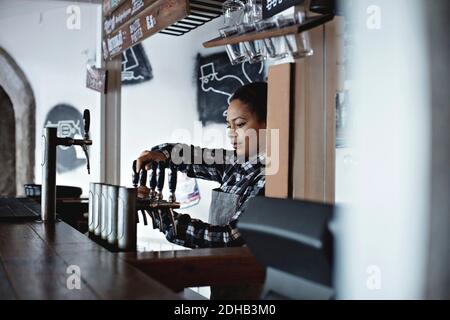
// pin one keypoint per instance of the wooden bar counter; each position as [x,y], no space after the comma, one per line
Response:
[199,267]
[34,262]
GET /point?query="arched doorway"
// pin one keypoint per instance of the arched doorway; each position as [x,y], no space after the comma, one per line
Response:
[16,86]
[7,146]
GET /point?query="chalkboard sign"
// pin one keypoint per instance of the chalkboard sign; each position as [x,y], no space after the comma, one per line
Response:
[272,7]
[135,66]
[217,81]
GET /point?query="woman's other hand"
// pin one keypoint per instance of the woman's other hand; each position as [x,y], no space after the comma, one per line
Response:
[147,157]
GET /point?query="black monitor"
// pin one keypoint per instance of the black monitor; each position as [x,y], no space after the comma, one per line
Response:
[291,238]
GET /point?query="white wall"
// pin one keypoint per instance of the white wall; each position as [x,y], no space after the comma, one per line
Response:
[54,59]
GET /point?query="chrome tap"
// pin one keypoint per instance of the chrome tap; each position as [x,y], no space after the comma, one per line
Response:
[50,143]
[86,125]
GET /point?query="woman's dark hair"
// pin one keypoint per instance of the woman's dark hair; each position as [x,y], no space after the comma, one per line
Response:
[254,95]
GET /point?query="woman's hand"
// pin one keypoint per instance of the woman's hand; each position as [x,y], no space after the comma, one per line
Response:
[147,157]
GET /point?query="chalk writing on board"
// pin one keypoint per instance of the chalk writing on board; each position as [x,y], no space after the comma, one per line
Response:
[212,82]
[218,80]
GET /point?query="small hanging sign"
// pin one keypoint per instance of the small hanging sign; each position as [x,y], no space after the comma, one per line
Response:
[96,79]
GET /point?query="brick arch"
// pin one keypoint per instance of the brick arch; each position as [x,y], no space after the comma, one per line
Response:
[17,87]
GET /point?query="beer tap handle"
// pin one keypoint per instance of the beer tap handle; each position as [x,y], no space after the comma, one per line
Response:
[143,191]
[149,211]
[153,181]
[144,217]
[135,176]
[161,176]
[172,221]
[143,177]
[172,181]
[86,125]
[86,153]
[160,218]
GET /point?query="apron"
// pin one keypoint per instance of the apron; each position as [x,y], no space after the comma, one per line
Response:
[222,209]
[224,205]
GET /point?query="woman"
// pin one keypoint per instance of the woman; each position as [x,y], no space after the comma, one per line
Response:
[239,180]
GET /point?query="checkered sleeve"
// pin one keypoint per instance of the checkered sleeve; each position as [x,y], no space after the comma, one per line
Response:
[196,162]
[193,233]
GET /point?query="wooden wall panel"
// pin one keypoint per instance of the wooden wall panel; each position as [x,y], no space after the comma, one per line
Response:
[313,149]
[278,117]
[308,148]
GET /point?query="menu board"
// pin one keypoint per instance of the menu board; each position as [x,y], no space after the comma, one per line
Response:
[111,5]
[272,7]
[124,13]
[128,22]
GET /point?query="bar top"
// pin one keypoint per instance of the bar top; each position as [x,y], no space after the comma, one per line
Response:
[40,261]
[199,267]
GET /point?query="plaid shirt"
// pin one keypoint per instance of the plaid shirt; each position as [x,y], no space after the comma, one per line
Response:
[233,177]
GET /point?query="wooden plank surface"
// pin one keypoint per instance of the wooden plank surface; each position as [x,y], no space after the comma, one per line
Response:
[110,6]
[199,267]
[6,290]
[151,20]
[126,11]
[313,151]
[308,148]
[278,118]
[34,261]
[33,269]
